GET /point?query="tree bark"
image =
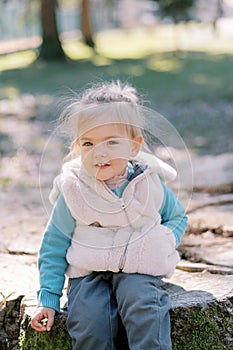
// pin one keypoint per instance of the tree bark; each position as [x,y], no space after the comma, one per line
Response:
[86,24]
[51,48]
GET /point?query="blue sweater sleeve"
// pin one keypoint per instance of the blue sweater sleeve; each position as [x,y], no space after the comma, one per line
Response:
[52,255]
[173,214]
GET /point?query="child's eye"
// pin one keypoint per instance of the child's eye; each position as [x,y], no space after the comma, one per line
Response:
[87,144]
[112,142]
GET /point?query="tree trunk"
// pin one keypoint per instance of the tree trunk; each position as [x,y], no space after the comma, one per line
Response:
[86,24]
[51,48]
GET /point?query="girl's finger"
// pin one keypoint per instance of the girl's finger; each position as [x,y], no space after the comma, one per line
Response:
[37,326]
[49,323]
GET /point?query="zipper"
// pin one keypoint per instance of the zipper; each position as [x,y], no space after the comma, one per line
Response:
[123,206]
[123,256]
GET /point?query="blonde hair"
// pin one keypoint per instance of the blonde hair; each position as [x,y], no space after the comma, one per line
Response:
[106,103]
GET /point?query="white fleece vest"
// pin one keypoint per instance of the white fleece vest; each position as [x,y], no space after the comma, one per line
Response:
[118,234]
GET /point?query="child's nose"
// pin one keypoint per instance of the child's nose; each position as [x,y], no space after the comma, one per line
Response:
[100,150]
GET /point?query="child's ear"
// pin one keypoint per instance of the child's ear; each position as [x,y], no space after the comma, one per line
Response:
[136,146]
[77,143]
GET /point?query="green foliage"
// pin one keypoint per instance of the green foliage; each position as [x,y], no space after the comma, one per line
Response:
[178,10]
[191,87]
[30,13]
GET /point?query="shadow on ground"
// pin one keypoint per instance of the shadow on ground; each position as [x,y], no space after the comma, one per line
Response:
[192,89]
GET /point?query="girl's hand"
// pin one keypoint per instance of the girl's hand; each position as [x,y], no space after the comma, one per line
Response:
[43,319]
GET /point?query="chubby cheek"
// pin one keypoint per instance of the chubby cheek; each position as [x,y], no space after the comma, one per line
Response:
[123,151]
[119,164]
[86,159]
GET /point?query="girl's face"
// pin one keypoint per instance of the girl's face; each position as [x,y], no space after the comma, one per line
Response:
[106,149]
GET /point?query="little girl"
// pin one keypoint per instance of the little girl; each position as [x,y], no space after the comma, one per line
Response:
[113,231]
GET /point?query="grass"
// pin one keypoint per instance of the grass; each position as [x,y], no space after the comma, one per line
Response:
[185,74]
[183,77]
[163,59]
[17,60]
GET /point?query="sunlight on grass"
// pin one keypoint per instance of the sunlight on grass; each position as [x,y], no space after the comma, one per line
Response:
[76,50]
[125,44]
[205,80]
[11,92]
[163,65]
[136,44]
[17,60]
[139,43]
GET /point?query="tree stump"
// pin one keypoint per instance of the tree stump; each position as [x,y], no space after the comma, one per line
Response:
[199,321]
[10,318]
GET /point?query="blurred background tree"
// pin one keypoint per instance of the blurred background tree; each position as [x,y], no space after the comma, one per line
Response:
[86,26]
[51,47]
[177,10]
[50,20]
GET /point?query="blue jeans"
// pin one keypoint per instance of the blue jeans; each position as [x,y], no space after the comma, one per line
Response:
[96,301]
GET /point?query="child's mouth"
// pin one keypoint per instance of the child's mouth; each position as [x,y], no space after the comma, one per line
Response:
[102,165]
